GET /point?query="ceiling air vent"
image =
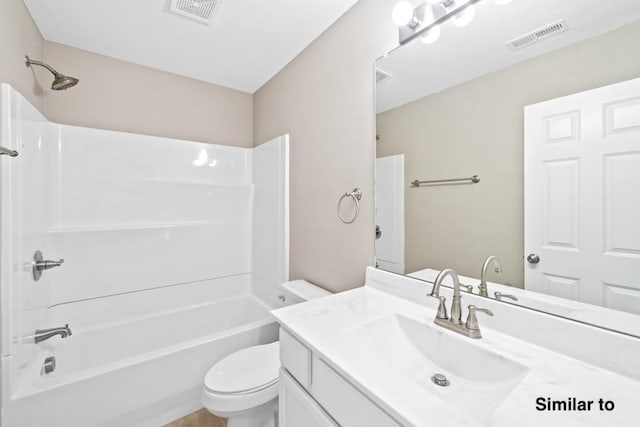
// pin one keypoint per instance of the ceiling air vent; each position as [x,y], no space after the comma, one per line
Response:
[201,11]
[543,33]
[381,76]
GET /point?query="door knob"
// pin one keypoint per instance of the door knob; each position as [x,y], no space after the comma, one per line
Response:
[40,264]
[533,259]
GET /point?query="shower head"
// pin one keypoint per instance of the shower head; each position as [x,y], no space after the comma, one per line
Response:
[60,81]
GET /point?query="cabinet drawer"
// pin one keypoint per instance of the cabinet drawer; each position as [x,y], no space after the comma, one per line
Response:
[295,358]
[347,406]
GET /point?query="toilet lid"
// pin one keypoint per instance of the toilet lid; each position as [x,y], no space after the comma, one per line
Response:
[245,370]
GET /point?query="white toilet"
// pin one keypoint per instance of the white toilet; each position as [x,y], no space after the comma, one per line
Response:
[243,386]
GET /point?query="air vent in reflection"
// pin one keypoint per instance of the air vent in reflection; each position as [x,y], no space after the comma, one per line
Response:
[543,33]
[199,10]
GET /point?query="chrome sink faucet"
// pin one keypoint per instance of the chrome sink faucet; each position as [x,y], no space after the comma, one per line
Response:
[45,334]
[482,288]
[456,311]
[454,323]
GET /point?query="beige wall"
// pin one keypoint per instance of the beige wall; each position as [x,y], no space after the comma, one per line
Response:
[324,99]
[119,95]
[19,36]
[477,128]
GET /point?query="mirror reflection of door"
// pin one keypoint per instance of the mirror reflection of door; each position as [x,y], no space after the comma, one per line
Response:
[582,196]
[390,213]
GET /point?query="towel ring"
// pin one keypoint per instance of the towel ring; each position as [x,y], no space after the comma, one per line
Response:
[356,195]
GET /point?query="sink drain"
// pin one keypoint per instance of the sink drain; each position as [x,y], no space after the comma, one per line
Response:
[441,380]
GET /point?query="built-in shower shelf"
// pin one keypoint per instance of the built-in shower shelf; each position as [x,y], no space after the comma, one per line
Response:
[132,227]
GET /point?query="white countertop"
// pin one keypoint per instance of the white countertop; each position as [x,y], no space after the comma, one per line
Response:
[325,325]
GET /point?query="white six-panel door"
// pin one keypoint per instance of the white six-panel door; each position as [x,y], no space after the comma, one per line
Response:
[582,196]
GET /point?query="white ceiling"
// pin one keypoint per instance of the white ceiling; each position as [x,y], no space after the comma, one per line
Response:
[462,54]
[246,43]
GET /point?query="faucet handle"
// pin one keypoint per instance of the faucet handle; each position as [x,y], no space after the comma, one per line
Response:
[500,295]
[472,320]
[442,309]
[469,288]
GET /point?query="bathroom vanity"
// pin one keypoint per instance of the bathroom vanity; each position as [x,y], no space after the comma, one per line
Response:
[374,356]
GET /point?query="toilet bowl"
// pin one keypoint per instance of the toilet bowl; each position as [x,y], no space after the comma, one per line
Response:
[243,387]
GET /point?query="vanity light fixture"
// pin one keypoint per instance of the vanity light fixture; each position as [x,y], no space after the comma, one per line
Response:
[424,20]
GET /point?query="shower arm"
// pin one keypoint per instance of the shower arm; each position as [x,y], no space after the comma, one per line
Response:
[31,62]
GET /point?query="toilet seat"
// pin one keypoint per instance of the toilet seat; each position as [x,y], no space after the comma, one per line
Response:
[249,370]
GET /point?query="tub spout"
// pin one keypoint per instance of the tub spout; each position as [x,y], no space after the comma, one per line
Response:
[45,334]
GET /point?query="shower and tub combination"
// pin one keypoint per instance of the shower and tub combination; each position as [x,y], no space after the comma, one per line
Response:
[164,256]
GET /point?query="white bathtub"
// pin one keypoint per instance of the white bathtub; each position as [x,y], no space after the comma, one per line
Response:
[142,368]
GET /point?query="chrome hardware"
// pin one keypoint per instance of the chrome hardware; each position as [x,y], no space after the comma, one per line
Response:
[468,288]
[356,195]
[473,180]
[442,309]
[60,81]
[500,295]
[45,334]
[8,152]
[533,259]
[456,312]
[40,264]
[470,328]
[418,26]
[49,364]
[378,232]
[472,321]
[482,288]
[441,380]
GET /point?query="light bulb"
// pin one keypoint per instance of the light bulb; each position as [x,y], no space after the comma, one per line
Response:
[402,13]
[431,36]
[501,2]
[465,17]
[434,33]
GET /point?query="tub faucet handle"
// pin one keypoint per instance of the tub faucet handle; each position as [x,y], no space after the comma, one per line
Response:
[40,264]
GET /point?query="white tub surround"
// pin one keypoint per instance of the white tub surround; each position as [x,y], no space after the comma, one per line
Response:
[163,273]
[370,348]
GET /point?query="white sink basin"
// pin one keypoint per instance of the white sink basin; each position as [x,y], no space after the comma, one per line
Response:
[479,379]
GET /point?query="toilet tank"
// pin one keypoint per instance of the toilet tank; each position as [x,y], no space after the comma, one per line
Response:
[301,290]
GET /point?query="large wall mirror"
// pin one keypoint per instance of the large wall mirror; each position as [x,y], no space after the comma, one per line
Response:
[532,110]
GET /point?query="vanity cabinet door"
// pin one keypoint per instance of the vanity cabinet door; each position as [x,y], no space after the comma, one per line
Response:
[297,408]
